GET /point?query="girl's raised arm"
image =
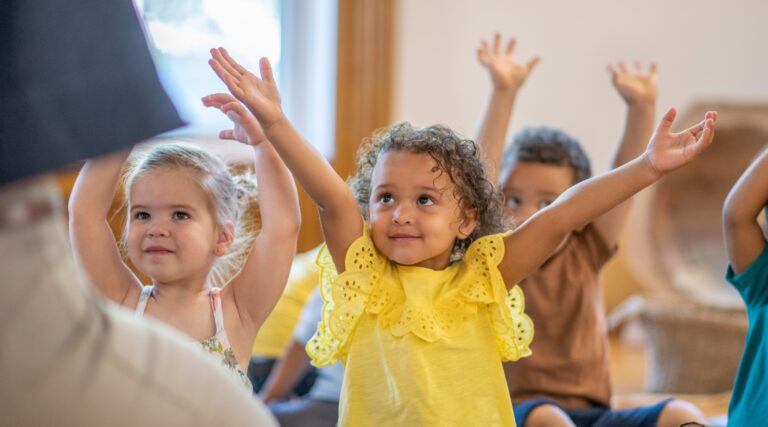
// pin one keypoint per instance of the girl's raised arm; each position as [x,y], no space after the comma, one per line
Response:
[261,281]
[89,230]
[743,236]
[535,240]
[338,209]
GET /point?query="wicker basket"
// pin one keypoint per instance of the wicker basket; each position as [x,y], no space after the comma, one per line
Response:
[692,349]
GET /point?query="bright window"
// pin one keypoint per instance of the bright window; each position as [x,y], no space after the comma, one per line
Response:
[181,33]
[298,37]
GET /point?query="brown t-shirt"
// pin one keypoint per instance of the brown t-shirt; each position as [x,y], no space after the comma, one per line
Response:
[570,347]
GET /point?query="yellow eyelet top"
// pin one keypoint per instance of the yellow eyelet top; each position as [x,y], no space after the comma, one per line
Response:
[421,347]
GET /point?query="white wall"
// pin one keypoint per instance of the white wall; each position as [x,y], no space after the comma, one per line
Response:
[706,50]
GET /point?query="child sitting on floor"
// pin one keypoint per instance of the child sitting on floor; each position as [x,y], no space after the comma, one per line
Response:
[567,382]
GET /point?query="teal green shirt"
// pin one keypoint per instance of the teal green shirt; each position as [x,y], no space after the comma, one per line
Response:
[749,401]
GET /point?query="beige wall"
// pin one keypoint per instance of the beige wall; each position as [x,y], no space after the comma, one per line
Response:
[706,50]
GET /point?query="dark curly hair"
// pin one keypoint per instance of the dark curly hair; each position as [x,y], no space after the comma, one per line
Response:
[548,146]
[457,157]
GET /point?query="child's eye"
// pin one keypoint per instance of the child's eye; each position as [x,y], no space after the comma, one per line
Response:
[386,198]
[180,215]
[141,216]
[512,202]
[544,203]
[425,200]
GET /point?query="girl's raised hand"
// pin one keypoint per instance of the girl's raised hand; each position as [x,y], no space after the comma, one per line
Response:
[668,151]
[246,128]
[638,86]
[506,73]
[260,95]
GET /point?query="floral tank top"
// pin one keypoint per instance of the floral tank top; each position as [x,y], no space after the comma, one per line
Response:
[218,344]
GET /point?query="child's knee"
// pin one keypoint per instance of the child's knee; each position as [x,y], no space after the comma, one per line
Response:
[547,415]
[677,412]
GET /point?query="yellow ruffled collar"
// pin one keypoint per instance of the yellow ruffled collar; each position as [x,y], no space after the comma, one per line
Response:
[429,304]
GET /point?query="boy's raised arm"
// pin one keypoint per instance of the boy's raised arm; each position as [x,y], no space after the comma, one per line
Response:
[744,238]
[507,76]
[534,241]
[338,209]
[638,88]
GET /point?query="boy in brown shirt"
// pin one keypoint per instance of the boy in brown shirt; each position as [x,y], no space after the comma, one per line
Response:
[566,382]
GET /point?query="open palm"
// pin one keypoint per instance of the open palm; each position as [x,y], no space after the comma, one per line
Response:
[506,73]
[260,95]
[636,85]
[246,128]
[668,151]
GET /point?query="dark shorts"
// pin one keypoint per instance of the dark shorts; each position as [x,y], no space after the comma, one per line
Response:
[599,416]
[306,413]
[259,369]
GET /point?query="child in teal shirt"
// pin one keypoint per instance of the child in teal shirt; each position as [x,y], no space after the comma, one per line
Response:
[748,272]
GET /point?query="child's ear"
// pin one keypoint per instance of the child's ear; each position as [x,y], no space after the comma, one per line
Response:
[468,224]
[224,238]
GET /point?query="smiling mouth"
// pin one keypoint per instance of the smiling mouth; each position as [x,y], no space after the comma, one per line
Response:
[158,251]
[403,237]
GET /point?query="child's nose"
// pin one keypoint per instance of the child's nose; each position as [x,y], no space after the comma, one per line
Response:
[157,230]
[402,215]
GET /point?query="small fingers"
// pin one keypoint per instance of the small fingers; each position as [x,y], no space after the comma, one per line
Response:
[496,42]
[237,67]
[217,99]
[227,134]
[510,46]
[667,120]
[533,63]
[234,107]
[225,61]
[217,68]
[266,70]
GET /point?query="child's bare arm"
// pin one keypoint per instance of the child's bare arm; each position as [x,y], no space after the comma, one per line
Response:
[286,374]
[744,238]
[261,281]
[89,230]
[339,213]
[507,76]
[533,242]
[638,88]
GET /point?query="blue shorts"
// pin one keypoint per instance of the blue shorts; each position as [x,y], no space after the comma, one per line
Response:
[599,416]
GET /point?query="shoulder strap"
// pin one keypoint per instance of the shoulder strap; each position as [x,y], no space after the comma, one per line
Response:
[218,317]
[141,307]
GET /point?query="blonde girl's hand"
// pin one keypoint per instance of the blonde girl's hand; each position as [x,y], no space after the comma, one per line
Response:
[506,73]
[260,95]
[668,151]
[246,128]
[638,86]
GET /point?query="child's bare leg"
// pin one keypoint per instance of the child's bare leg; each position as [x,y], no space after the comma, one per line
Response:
[678,412]
[548,416]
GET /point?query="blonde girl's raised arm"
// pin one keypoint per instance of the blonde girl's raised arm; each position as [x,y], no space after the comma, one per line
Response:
[92,238]
[262,278]
[339,214]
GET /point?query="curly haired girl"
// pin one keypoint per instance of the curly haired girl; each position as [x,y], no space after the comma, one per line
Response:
[421,331]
